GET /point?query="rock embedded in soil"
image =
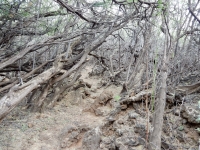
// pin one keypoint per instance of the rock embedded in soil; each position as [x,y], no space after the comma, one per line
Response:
[126,142]
[133,115]
[191,113]
[105,96]
[69,135]
[98,112]
[140,129]
[108,143]
[91,139]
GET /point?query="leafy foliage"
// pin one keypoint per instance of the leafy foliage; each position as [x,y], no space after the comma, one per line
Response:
[117,97]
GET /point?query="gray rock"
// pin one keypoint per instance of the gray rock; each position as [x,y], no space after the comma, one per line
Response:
[191,113]
[98,112]
[93,90]
[133,115]
[192,98]
[119,132]
[141,141]
[69,136]
[180,136]
[184,121]
[87,92]
[140,128]
[108,143]
[176,111]
[111,119]
[126,142]
[45,135]
[97,70]
[91,139]
[168,146]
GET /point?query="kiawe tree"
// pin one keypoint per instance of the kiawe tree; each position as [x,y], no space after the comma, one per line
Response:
[29,55]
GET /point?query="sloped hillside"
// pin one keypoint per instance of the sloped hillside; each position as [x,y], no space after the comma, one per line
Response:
[92,116]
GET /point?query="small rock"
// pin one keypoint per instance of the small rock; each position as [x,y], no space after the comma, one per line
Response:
[45,135]
[141,141]
[93,97]
[132,142]
[176,111]
[119,132]
[87,92]
[167,146]
[127,141]
[135,106]
[84,96]
[180,136]
[119,142]
[139,147]
[111,119]
[91,139]
[98,112]
[102,145]
[123,107]
[139,128]
[108,143]
[69,135]
[133,115]
[120,121]
[184,121]
[174,126]
[105,96]
[122,147]
[191,113]
[30,125]
[93,90]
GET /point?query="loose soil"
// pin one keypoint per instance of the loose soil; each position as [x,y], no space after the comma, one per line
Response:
[25,130]
[65,126]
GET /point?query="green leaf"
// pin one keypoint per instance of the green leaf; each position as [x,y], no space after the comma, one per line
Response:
[181,128]
[117,97]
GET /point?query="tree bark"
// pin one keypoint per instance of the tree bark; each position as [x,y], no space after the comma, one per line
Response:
[155,137]
[18,92]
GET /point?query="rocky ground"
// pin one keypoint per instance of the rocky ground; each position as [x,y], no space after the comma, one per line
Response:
[93,118]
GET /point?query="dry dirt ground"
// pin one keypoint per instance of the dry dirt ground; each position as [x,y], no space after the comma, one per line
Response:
[88,118]
[26,130]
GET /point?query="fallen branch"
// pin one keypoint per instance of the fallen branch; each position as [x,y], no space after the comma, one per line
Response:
[13,82]
[138,97]
[188,89]
[18,92]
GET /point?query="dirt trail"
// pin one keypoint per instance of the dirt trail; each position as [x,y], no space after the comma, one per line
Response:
[24,130]
[81,117]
